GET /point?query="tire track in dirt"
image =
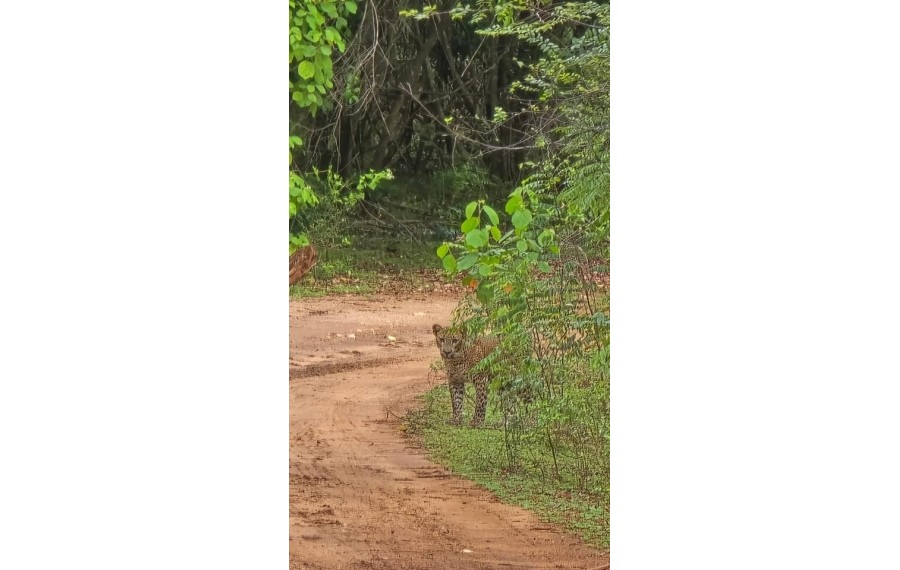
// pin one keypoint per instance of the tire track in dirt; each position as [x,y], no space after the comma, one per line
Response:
[321,368]
[361,496]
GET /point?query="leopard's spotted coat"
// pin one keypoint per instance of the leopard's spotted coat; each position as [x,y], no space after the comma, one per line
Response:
[459,357]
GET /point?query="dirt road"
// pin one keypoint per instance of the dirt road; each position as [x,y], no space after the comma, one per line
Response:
[361,496]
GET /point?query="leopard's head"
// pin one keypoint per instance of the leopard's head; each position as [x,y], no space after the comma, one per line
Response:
[449,344]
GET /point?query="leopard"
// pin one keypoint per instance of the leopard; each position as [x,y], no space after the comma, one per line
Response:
[460,355]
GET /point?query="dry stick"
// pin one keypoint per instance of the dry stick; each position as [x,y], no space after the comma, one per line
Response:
[451,63]
[553,451]
[388,412]
[399,222]
[457,135]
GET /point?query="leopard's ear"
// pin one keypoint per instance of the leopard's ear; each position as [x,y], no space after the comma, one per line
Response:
[436,328]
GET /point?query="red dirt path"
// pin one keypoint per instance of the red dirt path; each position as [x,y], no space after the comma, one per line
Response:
[361,497]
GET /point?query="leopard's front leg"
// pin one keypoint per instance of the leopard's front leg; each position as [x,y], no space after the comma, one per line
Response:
[457,394]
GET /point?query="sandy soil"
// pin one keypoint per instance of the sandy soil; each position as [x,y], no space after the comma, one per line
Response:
[361,495]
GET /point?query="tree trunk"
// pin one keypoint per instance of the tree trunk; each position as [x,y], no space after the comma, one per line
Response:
[301,262]
[412,81]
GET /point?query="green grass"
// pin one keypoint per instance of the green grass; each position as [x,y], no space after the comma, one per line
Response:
[479,454]
[372,265]
[387,254]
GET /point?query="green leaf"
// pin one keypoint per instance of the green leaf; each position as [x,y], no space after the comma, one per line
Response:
[544,266]
[469,225]
[522,246]
[496,233]
[351,6]
[485,270]
[521,219]
[484,292]
[492,215]
[332,34]
[449,262]
[477,238]
[306,70]
[470,209]
[513,204]
[545,236]
[442,250]
[466,261]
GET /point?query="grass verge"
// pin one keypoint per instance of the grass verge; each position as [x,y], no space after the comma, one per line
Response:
[373,265]
[479,454]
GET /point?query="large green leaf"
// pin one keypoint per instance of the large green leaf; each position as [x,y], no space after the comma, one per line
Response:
[449,262]
[484,292]
[466,261]
[513,204]
[306,70]
[477,238]
[521,218]
[492,215]
[469,225]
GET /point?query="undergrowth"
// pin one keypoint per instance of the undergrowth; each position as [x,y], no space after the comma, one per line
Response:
[372,265]
[386,242]
[479,454]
